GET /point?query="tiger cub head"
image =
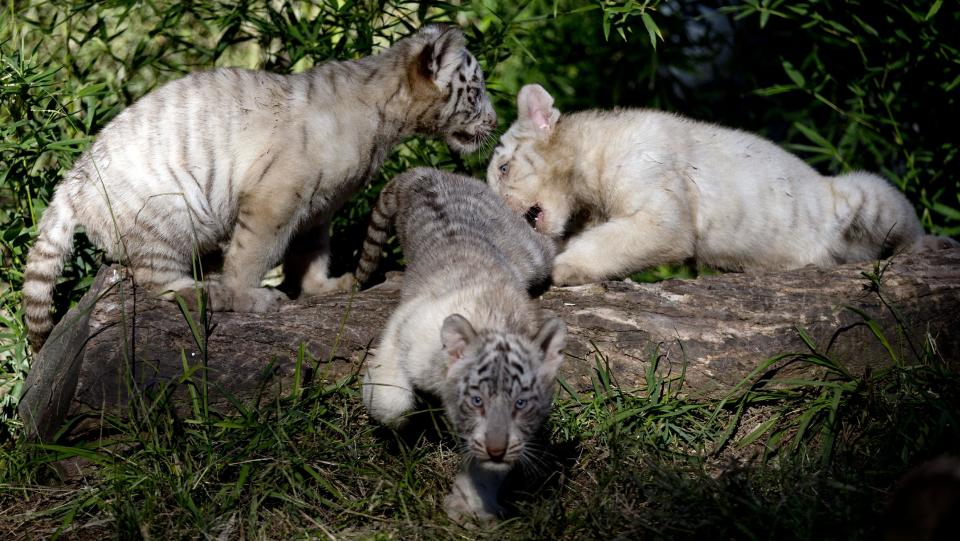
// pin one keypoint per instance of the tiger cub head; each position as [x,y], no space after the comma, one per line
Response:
[521,170]
[450,96]
[500,388]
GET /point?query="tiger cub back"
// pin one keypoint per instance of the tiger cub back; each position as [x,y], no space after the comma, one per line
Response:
[431,207]
[466,329]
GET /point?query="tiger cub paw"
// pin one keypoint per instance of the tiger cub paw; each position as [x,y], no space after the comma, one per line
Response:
[220,298]
[473,497]
[929,243]
[258,300]
[462,510]
[321,286]
[565,274]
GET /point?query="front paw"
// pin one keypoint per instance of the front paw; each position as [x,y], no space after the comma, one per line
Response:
[210,295]
[462,510]
[473,496]
[258,300]
[223,299]
[933,242]
[566,274]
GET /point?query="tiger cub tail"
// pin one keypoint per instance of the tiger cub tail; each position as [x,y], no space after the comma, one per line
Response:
[380,221]
[45,262]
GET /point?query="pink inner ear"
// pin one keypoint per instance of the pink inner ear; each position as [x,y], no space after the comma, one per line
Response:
[535,104]
[540,120]
[538,117]
[455,351]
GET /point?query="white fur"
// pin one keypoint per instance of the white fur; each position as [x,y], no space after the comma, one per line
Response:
[660,188]
[410,353]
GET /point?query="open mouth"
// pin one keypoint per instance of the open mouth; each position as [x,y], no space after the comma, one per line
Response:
[467,138]
[464,137]
[533,216]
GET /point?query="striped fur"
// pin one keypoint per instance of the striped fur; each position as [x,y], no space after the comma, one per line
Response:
[243,161]
[530,256]
[380,221]
[659,188]
[466,329]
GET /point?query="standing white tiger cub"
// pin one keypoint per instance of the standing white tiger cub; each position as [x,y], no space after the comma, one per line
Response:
[243,160]
[659,188]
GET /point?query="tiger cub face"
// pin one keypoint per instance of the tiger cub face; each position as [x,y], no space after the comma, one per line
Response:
[459,109]
[500,388]
[520,170]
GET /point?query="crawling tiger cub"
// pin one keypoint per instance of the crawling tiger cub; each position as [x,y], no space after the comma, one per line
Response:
[242,161]
[659,188]
[466,329]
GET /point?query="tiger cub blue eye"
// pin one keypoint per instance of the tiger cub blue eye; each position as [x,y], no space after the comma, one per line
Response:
[521,402]
[477,401]
[504,167]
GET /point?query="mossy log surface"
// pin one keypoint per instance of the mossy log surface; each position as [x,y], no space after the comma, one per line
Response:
[120,343]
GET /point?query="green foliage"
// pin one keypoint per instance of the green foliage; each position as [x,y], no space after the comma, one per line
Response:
[868,84]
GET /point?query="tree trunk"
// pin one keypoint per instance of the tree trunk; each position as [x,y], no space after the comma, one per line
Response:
[119,344]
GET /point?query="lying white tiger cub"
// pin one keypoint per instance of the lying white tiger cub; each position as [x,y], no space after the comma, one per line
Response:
[659,188]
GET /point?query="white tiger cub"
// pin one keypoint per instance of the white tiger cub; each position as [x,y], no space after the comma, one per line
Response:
[466,329]
[242,161]
[659,188]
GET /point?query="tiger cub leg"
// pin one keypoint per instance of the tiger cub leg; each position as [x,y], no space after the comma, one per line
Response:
[387,389]
[166,274]
[623,245]
[306,265]
[266,219]
[474,494]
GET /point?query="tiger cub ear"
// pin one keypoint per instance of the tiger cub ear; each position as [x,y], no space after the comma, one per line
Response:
[535,109]
[455,334]
[551,339]
[442,55]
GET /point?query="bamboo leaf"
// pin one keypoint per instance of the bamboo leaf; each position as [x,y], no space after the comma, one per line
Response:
[793,74]
[652,30]
[812,135]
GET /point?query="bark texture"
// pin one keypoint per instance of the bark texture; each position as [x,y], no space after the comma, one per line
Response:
[120,344]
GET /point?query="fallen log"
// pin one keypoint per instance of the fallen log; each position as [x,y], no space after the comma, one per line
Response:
[119,344]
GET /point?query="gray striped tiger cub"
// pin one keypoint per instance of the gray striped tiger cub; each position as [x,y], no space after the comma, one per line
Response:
[658,188]
[466,329]
[241,161]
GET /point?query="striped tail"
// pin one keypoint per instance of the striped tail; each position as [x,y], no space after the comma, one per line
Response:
[380,220]
[44,264]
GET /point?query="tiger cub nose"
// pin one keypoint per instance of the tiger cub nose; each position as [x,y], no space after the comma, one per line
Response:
[496,453]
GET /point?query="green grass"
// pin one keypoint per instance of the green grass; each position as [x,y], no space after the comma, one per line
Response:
[811,458]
